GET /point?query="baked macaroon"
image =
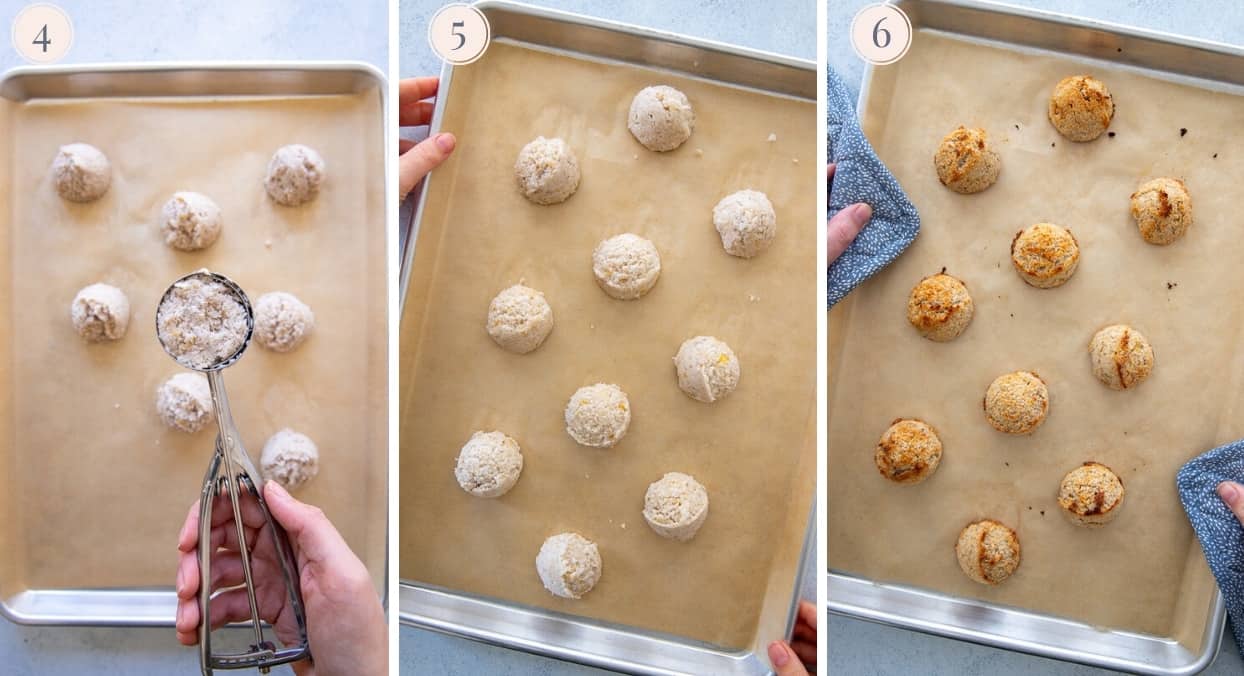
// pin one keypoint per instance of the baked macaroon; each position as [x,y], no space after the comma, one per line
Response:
[1122,356]
[707,369]
[660,118]
[988,551]
[598,415]
[626,266]
[1091,494]
[964,161]
[1045,255]
[547,171]
[1081,108]
[1017,403]
[675,506]
[519,319]
[1162,208]
[569,565]
[908,452]
[489,464]
[940,307]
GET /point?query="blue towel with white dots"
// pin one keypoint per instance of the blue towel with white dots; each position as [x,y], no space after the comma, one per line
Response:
[861,177]
[1220,533]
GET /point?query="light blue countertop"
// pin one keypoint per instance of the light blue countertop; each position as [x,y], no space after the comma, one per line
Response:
[782,26]
[855,647]
[187,30]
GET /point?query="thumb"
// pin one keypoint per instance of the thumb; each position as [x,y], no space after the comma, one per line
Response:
[843,228]
[427,155]
[1233,494]
[307,526]
[784,660]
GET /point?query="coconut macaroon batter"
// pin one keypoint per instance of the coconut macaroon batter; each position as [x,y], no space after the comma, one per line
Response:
[201,322]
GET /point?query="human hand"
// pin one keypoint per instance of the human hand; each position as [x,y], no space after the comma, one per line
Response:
[414,110]
[1232,493]
[845,225]
[798,657]
[345,622]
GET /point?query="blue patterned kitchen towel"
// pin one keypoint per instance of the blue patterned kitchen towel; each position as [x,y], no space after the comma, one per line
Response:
[1220,533]
[861,177]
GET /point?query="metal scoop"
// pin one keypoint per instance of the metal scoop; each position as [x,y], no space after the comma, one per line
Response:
[238,480]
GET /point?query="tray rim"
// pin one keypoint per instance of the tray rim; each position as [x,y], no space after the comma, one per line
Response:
[410,592]
[156,606]
[1216,625]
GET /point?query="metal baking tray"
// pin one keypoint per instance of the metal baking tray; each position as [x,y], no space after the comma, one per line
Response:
[151,606]
[1169,57]
[543,632]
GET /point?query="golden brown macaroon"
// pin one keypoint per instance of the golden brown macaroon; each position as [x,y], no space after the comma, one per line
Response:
[1122,356]
[1045,255]
[1162,209]
[1081,108]
[964,161]
[988,551]
[1091,494]
[1017,403]
[908,452]
[940,307]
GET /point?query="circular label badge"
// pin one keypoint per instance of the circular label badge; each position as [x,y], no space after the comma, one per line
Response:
[459,34]
[42,33]
[881,34]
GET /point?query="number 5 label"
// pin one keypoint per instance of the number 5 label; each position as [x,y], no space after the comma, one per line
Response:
[42,33]
[881,34]
[459,34]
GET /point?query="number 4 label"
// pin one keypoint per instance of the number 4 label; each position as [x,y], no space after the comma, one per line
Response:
[42,33]
[881,34]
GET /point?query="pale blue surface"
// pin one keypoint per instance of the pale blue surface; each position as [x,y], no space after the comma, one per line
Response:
[185,30]
[855,647]
[782,26]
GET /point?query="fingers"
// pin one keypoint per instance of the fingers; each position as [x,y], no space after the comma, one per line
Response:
[843,228]
[232,606]
[807,616]
[428,154]
[311,532]
[188,538]
[187,575]
[805,651]
[412,110]
[784,660]
[1232,493]
[187,621]
[404,144]
[829,172]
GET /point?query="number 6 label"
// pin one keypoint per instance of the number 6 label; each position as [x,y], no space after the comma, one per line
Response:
[459,34]
[881,34]
[42,33]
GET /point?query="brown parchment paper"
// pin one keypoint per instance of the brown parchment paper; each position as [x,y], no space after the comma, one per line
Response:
[754,451]
[100,486]
[1144,572]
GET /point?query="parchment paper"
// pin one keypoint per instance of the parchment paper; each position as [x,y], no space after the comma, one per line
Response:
[754,451]
[1143,572]
[101,486]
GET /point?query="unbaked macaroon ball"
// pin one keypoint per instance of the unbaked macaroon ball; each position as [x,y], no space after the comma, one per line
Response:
[100,312]
[940,307]
[598,415]
[568,565]
[626,266]
[965,162]
[81,172]
[1017,403]
[908,452]
[661,118]
[282,322]
[1122,356]
[1162,209]
[489,464]
[547,171]
[1045,255]
[190,221]
[746,222]
[1081,108]
[290,459]
[519,319]
[1091,494]
[184,402]
[675,506]
[295,173]
[707,369]
[988,551]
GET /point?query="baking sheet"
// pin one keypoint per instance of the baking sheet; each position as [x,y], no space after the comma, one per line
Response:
[99,486]
[754,451]
[1142,573]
